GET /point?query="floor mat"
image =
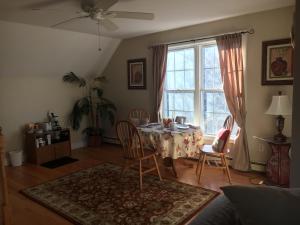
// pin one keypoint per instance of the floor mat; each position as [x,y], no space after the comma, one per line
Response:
[59,162]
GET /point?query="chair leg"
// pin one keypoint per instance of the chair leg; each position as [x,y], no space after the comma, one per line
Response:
[199,161]
[202,167]
[157,168]
[227,169]
[141,176]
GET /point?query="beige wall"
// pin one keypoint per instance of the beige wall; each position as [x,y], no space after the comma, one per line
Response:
[33,61]
[268,25]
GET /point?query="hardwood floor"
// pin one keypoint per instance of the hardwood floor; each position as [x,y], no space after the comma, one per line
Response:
[27,212]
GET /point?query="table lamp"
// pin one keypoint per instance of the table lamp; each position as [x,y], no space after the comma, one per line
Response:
[280,106]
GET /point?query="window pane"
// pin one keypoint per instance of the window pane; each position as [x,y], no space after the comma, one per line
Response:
[219,118]
[216,57]
[189,117]
[188,102]
[214,111]
[165,105]
[189,59]
[208,123]
[209,53]
[179,101]
[220,103]
[207,99]
[179,60]
[208,79]
[170,84]
[217,79]
[179,80]
[170,61]
[189,78]
[171,101]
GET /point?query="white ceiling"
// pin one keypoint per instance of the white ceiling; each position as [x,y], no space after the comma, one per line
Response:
[169,14]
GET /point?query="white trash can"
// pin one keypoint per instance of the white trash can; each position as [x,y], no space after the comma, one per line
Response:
[16,158]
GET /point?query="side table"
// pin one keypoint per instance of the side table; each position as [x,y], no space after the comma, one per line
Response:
[278,166]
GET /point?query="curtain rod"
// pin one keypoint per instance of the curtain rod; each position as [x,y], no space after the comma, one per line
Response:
[249,31]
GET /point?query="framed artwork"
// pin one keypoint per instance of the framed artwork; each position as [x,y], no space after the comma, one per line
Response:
[136,73]
[277,62]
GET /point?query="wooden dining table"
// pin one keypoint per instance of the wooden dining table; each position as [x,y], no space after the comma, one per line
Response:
[172,143]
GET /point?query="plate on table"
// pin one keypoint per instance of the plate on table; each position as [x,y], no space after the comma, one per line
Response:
[153,124]
[183,126]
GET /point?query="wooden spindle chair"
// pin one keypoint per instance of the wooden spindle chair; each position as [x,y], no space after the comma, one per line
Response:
[5,214]
[207,150]
[133,152]
[139,114]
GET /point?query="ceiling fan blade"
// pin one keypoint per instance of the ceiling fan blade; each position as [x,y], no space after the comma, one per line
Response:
[109,25]
[133,15]
[56,11]
[44,3]
[68,20]
[105,4]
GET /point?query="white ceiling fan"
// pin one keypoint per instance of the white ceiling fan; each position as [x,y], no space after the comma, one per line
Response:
[97,10]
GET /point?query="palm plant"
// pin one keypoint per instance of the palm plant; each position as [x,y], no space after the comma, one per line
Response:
[93,104]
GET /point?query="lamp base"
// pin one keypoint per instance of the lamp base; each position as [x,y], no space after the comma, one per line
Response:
[279,125]
[280,137]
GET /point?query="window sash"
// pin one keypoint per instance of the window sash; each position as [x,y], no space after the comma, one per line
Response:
[199,87]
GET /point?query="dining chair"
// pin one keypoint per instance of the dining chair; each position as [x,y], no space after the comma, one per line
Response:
[5,210]
[138,116]
[133,151]
[180,119]
[217,149]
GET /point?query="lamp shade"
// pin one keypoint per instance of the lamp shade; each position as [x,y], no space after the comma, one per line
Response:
[280,105]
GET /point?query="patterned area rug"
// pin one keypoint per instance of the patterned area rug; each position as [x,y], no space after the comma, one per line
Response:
[98,196]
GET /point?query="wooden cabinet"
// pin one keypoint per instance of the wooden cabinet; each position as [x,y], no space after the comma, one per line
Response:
[48,152]
[61,149]
[44,154]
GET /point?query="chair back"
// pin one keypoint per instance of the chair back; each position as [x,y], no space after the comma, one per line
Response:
[5,213]
[139,114]
[130,140]
[180,119]
[228,124]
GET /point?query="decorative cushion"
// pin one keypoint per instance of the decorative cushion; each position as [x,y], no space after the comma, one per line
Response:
[220,140]
[265,205]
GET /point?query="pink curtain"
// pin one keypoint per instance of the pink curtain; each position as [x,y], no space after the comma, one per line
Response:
[231,63]
[160,53]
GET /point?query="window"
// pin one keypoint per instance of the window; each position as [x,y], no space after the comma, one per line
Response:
[180,84]
[193,86]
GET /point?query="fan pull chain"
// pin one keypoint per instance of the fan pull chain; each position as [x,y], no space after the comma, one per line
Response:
[99,37]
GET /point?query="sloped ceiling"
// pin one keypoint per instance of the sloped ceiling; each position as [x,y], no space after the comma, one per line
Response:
[35,51]
[169,14]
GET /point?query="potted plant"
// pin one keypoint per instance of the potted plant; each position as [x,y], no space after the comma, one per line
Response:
[93,105]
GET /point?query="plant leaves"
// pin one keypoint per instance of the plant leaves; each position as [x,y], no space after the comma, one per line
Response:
[72,78]
[80,108]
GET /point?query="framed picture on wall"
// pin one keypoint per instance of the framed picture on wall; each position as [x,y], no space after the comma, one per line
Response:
[136,73]
[277,62]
